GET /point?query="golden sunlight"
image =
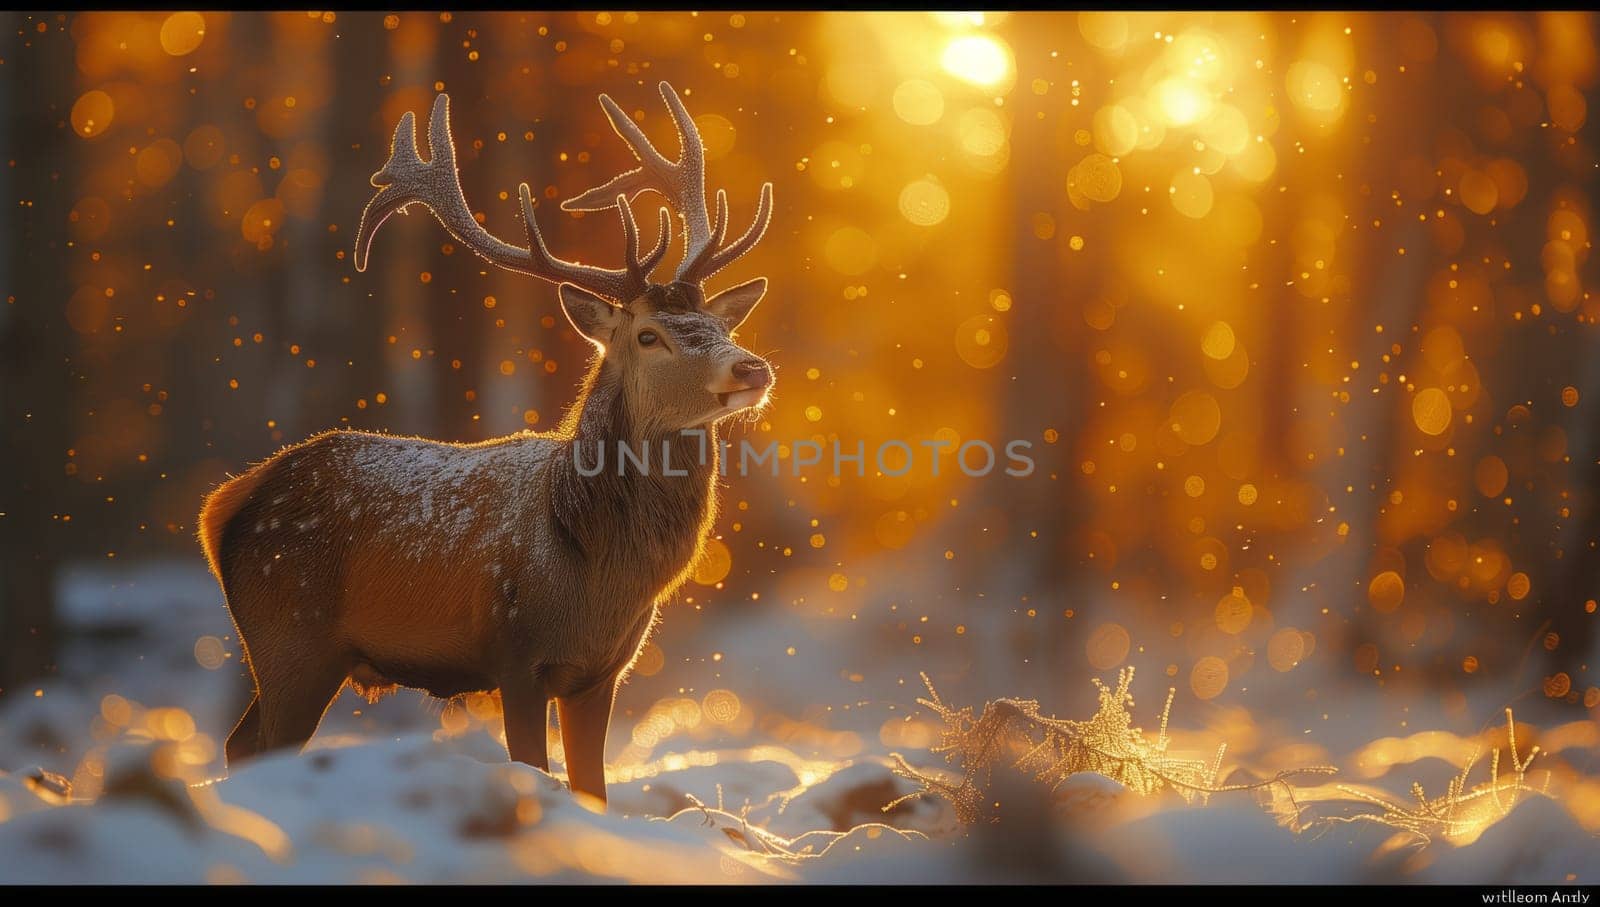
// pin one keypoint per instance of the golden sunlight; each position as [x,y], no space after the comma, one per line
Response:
[979,59]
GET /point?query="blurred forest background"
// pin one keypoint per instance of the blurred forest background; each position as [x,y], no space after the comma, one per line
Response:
[1296,309]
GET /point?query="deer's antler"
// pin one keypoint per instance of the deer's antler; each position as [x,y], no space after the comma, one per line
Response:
[683,183]
[406,179]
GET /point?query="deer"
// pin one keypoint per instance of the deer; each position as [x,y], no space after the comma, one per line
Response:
[379,561]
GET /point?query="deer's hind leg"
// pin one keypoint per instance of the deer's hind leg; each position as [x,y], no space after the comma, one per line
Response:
[292,694]
[298,664]
[244,740]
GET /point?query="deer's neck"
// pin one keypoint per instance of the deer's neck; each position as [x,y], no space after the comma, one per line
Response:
[649,517]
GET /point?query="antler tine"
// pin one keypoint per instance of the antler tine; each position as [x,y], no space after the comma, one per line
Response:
[682,181]
[654,172]
[630,233]
[405,180]
[719,230]
[758,228]
[663,238]
[640,267]
[691,195]
[618,285]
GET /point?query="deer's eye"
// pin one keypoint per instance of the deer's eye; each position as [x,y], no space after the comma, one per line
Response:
[648,338]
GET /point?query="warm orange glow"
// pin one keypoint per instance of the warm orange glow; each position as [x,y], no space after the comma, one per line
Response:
[978,59]
[1294,313]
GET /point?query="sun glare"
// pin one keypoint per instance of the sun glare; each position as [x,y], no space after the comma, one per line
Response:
[977,59]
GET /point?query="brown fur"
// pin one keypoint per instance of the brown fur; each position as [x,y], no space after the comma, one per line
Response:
[220,506]
[378,561]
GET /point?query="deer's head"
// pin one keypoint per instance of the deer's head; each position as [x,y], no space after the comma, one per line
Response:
[670,345]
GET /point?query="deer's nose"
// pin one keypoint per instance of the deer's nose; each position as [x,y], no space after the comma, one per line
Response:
[753,372]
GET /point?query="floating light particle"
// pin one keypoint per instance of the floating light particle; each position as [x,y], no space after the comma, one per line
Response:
[1218,341]
[1314,87]
[1209,677]
[1478,191]
[1568,109]
[1195,417]
[1256,162]
[1104,31]
[918,102]
[1490,476]
[1116,130]
[158,162]
[1518,586]
[1096,177]
[1386,591]
[1431,410]
[1191,194]
[209,652]
[1557,685]
[982,341]
[1226,131]
[982,132]
[92,113]
[1233,611]
[924,202]
[714,563]
[1285,649]
[1107,646]
[721,706]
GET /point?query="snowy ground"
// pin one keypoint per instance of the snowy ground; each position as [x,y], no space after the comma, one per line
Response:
[726,769]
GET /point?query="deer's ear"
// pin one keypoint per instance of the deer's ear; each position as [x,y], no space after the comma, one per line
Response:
[591,316]
[733,305]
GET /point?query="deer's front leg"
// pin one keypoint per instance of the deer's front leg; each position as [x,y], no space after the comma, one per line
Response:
[585,717]
[527,712]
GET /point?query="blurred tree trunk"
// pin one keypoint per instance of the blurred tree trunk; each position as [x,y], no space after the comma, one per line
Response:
[519,300]
[1575,578]
[358,145]
[406,247]
[1041,379]
[297,290]
[35,345]
[447,305]
[1396,299]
